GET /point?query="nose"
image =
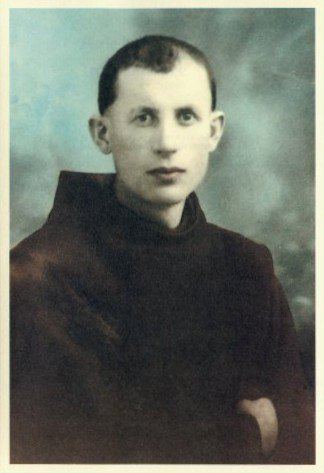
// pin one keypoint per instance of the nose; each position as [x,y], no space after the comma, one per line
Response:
[164,144]
[164,152]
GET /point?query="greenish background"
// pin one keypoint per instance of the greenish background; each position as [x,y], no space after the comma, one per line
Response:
[261,178]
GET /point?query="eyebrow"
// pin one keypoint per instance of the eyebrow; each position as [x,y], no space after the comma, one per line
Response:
[145,109]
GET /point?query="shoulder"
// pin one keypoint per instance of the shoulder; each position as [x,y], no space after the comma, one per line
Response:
[245,257]
[29,258]
[50,247]
[55,256]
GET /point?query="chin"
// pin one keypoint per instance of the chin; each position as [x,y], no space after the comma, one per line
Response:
[169,196]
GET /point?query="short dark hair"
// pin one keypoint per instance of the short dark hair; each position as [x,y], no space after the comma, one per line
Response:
[155,52]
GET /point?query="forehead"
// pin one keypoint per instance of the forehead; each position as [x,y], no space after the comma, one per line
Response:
[187,83]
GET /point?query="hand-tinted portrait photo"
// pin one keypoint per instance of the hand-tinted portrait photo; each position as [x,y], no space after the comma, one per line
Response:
[162,231]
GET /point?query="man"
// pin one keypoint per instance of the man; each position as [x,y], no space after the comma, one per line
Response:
[141,333]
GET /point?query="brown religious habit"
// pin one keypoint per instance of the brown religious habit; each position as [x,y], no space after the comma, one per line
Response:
[132,343]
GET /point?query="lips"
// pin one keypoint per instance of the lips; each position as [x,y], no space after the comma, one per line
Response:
[166,171]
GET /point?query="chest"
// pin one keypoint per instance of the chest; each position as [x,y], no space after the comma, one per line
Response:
[180,320]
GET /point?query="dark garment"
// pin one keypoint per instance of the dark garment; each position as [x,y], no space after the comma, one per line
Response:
[133,344]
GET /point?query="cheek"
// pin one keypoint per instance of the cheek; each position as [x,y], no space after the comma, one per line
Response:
[120,144]
[198,149]
[125,147]
[197,138]
[200,168]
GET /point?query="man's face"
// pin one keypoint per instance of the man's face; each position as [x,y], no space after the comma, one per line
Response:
[160,130]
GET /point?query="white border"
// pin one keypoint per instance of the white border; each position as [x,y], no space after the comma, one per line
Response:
[4,229]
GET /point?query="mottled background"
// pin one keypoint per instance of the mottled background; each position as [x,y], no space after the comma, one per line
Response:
[261,179]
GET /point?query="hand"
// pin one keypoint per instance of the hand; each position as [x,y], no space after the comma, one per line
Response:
[264,412]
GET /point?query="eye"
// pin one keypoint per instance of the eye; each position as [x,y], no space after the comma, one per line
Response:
[186,117]
[144,119]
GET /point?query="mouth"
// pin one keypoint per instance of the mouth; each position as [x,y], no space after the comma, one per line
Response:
[166,172]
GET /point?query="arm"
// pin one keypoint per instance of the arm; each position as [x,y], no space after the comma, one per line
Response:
[54,379]
[282,382]
[271,370]
[287,386]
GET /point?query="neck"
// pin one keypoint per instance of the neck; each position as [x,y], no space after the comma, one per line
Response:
[166,215]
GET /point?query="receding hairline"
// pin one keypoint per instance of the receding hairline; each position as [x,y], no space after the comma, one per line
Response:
[139,66]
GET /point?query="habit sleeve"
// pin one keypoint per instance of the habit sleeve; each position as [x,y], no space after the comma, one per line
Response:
[282,380]
[54,381]
[288,389]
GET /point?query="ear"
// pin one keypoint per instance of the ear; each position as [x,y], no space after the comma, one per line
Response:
[217,122]
[99,133]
